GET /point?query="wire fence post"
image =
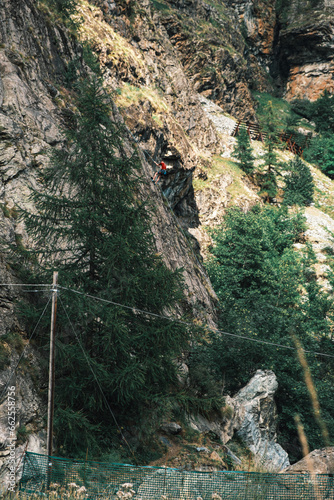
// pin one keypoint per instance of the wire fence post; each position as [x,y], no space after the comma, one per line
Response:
[51,376]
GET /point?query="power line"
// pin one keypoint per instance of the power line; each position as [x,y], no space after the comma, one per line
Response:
[169,318]
[97,380]
[206,327]
[24,284]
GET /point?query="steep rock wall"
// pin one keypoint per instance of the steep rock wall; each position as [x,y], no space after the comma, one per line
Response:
[293,41]
[306,46]
[34,104]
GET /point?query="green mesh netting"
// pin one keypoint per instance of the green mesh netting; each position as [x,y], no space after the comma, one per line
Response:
[119,481]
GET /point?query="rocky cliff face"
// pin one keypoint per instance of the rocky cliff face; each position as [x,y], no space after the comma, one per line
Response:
[34,56]
[306,46]
[293,41]
[162,60]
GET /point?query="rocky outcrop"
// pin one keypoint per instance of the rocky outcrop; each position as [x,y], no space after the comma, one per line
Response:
[307,53]
[35,56]
[294,45]
[258,22]
[252,414]
[29,433]
[211,48]
[316,462]
[256,412]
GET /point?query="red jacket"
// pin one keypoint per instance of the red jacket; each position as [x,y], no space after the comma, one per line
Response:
[163,165]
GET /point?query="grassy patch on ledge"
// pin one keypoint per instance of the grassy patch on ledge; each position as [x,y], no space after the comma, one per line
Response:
[128,94]
[222,166]
[220,8]
[160,7]
[114,49]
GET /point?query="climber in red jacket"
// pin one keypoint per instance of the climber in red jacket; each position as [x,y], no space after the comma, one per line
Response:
[163,171]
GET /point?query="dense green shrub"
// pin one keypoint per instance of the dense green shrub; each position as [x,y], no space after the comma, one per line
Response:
[64,7]
[323,113]
[299,187]
[321,152]
[303,107]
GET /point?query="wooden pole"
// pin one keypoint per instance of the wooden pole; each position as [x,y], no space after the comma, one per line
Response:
[52,366]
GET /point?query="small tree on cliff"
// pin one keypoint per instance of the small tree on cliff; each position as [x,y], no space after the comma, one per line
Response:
[268,180]
[243,152]
[93,227]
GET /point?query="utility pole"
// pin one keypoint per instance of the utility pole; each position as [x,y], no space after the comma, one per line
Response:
[52,368]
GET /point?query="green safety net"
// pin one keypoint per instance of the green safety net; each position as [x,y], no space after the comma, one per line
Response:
[94,480]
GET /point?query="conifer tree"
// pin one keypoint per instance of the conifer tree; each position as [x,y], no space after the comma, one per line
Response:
[323,110]
[268,291]
[299,185]
[243,152]
[268,182]
[92,226]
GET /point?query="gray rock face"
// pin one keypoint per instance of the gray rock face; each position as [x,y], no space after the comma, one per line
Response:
[34,55]
[171,428]
[256,415]
[254,419]
[27,422]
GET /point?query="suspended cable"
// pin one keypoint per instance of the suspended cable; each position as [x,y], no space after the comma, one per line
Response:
[22,353]
[24,284]
[96,379]
[205,327]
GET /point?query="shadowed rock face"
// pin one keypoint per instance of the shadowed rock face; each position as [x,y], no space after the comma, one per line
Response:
[306,49]
[294,44]
[307,52]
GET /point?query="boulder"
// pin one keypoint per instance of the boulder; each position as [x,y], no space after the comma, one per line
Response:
[256,418]
[252,415]
[171,428]
[318,462]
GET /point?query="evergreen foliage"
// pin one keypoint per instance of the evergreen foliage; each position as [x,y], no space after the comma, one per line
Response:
[243,152]
[323,113]
[65,7]
[93,227]
[268,180]
[321,148]
[303,107]
[321,153]
[268,291]
[299,187]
